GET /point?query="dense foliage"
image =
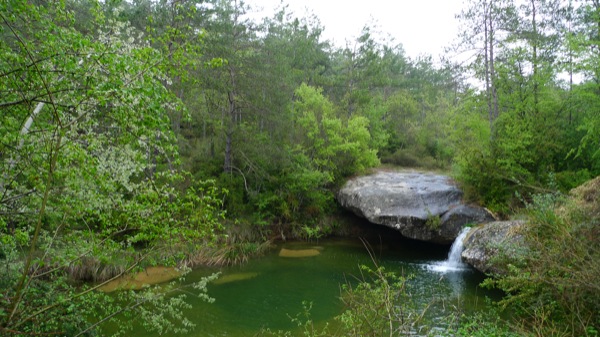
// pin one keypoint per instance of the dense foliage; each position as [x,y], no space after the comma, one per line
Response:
[529,130]
[552,284]
[88,167]
[130,129]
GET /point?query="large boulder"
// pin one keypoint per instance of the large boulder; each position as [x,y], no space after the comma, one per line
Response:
[422,206]
[490,247]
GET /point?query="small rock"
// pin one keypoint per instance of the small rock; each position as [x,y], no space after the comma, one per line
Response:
[457,217]
[490,247]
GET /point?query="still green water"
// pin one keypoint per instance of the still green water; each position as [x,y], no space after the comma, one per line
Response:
[267,291]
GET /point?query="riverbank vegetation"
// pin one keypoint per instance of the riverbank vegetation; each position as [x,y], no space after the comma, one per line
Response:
[136,133]
[551,285]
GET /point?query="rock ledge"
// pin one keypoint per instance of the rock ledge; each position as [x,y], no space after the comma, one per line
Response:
[422,206]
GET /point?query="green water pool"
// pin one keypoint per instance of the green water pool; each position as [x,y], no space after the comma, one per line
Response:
[267,291]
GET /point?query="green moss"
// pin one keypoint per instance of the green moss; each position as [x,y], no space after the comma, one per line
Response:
[433,222]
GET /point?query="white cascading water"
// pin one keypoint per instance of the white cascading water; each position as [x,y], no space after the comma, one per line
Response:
[454,259]
[454,262]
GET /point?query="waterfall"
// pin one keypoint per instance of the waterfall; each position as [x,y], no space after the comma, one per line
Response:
[453,263]
[454,260]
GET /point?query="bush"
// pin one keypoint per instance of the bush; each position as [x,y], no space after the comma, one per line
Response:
[484,325]
[379,305]
[412,158]
[568,180]
[556,291]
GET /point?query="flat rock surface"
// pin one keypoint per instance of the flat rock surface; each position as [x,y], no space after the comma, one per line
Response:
[413,203]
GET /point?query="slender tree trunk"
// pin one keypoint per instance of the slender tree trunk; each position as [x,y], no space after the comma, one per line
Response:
[596,4]
[570,35]
[56,142]
[535,59]
[493,69]
[12,161]
[486,42]
[227,166]
[231,95]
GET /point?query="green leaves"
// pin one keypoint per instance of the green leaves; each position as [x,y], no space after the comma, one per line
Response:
[87,162]
[380,305]
[552,286]
[336,149]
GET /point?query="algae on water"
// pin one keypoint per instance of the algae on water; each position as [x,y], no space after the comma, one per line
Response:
[234,278]
[284,252]
[150,276]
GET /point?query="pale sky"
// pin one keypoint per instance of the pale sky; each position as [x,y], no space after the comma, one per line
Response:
[421,26]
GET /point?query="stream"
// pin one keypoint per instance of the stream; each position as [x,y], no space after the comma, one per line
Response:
[267,291]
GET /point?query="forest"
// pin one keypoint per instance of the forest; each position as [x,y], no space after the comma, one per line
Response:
[183,133]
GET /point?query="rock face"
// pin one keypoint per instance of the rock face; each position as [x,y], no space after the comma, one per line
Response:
[421,206]
[489,247]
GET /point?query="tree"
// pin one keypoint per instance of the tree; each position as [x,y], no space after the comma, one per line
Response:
[80,115]
[486,26]
[585,44]
[335,148]
[231,37]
